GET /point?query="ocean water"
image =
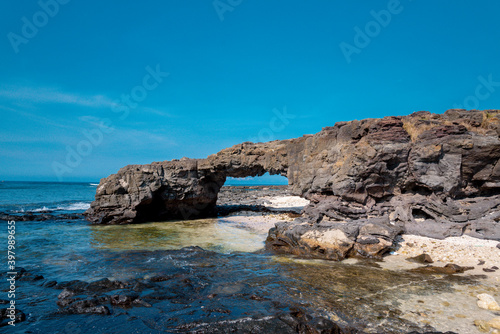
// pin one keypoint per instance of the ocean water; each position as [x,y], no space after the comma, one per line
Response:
[19,197]
[67,248]
[216,276]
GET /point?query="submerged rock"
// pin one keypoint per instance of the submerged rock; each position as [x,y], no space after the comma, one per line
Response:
[422,258]
[448,269]
[241,292]
[368,181]
[87,306]
[482,325]
[39,216]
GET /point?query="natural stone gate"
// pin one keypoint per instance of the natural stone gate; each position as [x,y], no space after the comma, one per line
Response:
[368,181]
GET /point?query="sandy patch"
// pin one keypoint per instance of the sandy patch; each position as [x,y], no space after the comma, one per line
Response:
[288,203]
[450,311]
[261,222]
[464,251]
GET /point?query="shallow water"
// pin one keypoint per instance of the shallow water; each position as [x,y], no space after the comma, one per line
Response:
[210,234]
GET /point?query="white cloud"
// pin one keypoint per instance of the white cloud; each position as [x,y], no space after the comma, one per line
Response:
[135,139]
[23,96]
[54,95]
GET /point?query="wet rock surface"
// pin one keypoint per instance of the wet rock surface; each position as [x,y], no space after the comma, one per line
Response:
[448,269]
[39,216]
[435,175]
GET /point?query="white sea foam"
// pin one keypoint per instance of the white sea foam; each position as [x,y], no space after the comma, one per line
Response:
[44,208]
[74,206]
[94,184]
[68,207]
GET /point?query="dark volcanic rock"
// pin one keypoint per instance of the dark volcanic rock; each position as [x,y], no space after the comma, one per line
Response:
[368,181]
[124,299]
[39,216]
[86,306]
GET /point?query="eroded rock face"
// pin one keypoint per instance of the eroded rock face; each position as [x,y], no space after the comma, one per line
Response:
[368,181]
[164,190]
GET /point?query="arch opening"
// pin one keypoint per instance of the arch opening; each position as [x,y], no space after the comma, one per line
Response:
[264,180]
[264,193]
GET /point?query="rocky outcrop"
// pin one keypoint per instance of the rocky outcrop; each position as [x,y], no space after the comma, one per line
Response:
[435,175]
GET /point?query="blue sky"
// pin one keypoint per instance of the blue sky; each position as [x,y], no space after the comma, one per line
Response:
[237,71]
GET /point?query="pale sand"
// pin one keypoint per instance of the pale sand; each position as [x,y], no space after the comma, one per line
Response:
[289,203]
[464,251]
[449,311]
[261,222]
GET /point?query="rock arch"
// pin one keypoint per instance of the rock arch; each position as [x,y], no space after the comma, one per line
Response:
[363,179]
[181,189]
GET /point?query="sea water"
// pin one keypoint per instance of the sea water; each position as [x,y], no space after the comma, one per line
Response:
[21,197]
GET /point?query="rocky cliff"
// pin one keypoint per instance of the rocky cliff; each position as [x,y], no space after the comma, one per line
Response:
[434,175]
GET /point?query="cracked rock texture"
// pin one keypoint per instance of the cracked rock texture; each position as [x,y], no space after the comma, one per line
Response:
[435,175]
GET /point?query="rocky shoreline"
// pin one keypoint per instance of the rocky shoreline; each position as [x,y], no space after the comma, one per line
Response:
[447,259]
[369,181]
[259,203]
[437,292]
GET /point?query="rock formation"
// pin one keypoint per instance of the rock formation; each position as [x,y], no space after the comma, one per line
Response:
[435,175]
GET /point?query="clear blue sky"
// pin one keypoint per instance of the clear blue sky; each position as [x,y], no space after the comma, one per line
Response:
[227,79]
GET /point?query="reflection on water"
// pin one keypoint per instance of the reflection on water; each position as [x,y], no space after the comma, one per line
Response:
[211,234]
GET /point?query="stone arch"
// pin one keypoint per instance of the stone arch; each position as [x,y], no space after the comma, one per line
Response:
[181,189]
